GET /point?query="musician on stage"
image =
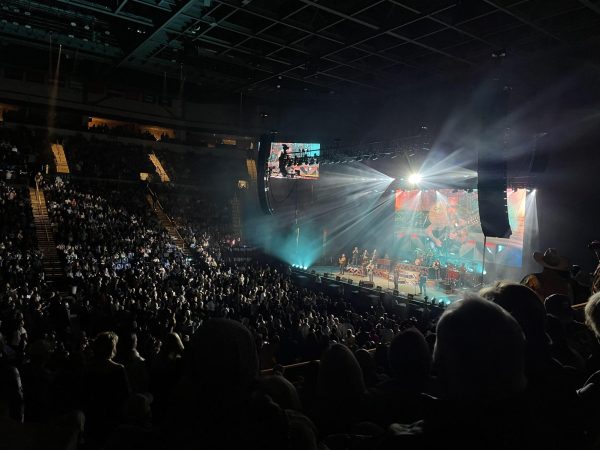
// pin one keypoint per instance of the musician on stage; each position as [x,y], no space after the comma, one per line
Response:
[374,256]
[283,160]
[365,262]
[355,256]
[370,269]
[342,261]
[437,268]
[423,283]
[396,275]
[462,273]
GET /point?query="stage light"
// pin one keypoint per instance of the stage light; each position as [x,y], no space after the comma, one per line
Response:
[414,178]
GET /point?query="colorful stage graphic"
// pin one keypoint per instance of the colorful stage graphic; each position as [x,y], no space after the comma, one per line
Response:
[443,225]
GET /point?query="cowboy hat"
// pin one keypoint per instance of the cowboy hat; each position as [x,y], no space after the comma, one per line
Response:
[551,259]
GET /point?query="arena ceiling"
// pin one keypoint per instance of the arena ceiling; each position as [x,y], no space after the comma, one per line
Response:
[300,45]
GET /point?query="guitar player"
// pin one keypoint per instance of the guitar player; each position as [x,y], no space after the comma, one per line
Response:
[446,229]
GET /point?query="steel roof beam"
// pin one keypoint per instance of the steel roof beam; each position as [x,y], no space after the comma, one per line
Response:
[197,20]
[389,32]
[268,27]
[370,53]
[121,6]
[97,9]
[594,7]
[281,45]
[523,20]
[275,74]
[380,54]
[158,30]
[430,16]
[313,33]
[316,34]
[447,26]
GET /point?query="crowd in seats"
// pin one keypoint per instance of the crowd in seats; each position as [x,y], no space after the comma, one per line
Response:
[103,159]
[131,132]
[152,349]
[20,146]
[191,167]
[10,155]
[121,131]
[194,211]
[18,255]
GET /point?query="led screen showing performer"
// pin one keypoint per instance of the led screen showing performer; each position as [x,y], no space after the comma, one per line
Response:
[294,160]
[443,226]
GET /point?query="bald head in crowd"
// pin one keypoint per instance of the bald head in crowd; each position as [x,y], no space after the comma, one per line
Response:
[479,353]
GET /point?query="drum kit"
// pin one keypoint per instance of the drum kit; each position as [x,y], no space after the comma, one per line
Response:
[450,275]
[423,258]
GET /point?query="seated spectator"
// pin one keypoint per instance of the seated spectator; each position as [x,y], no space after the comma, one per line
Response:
[368,367]
[590,392]
[167,369]
[520,302]
[136,430]
[342,395]
[11,389]
[105,387]
[554,278]
[135,365]
[38,383]
[482,376]
[215,404]
[400,399]
[303,432]
[551,385]
[560,319]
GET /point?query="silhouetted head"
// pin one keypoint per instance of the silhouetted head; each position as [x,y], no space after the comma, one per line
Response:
[222,354]
[559,306]
[409,357]
[524,305]
[105,345]
[340,375]
[281,391]
[172,344]
[479,352]
[592,314]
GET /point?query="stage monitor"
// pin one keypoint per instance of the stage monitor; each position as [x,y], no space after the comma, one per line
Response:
[294,160]
[443,225]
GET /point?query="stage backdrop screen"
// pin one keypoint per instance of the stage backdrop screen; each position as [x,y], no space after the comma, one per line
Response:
[294,160]
[444,225]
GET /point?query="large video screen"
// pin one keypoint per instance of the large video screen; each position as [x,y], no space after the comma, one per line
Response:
[443,225]
[294,160]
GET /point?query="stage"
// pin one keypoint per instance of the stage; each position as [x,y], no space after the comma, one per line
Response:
[434,290]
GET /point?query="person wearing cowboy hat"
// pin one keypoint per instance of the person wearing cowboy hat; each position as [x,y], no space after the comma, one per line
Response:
[554,277]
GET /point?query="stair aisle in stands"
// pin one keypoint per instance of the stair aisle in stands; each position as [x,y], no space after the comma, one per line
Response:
[53,269]
[169,225]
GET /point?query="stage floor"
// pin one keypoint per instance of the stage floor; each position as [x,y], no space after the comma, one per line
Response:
[433,291]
